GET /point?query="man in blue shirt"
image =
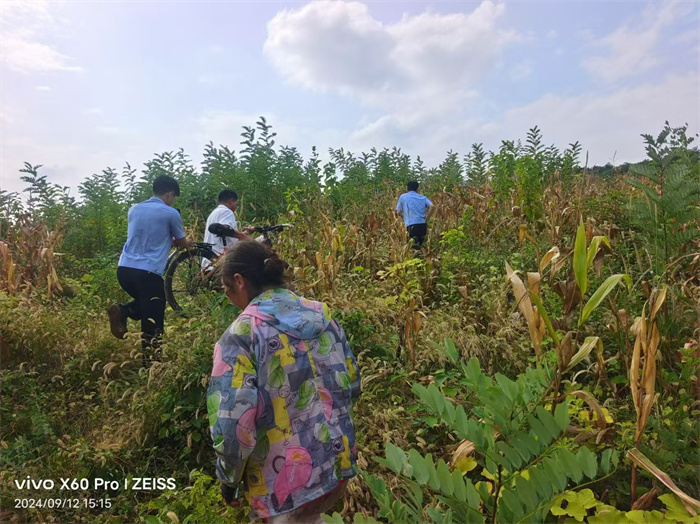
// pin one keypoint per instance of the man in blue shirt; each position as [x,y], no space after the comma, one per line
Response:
[415,209]
[154,226]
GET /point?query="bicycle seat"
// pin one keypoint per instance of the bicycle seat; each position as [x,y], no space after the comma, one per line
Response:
[222,230]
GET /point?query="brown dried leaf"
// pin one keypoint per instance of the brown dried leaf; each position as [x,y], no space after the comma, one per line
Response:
[464,292]
[622,314]
[639,459]
[571,294]
[525,305]
[646,501]
[594,405]
[417,321]
[522,232]
[598,262]
[465,449]
[659,298]
[533,283]
[635,362]
[550,255]
[567,351]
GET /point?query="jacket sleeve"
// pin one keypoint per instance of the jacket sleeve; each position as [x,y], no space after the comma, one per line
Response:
[232,401]
[351,363]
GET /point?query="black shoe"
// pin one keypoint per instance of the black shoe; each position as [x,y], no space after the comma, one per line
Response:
[117,320]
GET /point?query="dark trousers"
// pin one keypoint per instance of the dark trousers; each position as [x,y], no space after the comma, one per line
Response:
[417,233]
[148,306]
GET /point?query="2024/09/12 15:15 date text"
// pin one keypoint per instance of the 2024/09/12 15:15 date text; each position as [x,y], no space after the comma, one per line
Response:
[69,503]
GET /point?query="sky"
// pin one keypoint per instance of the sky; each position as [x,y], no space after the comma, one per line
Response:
[87,85]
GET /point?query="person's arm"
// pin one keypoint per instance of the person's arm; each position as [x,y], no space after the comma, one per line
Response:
[232,400]
[177,232]
[241,236]
[430,208]
[183,242]
[229,219]
[399,208]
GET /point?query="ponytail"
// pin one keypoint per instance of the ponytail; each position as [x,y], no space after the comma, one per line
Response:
[262,267]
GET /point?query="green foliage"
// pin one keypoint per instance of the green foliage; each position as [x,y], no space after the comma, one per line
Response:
[475,165]
[667,214]
[76,402]
[102,216]
[202,502]
[518,445]
[449,173]
[582,506]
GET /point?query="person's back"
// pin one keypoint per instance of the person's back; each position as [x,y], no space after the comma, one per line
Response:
[224,213]
[279,401]
[414,208]
[152,225]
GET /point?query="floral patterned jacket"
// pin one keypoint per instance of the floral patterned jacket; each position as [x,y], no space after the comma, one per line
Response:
[279,403]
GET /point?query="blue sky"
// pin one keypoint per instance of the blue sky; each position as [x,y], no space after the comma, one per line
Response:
[87,85]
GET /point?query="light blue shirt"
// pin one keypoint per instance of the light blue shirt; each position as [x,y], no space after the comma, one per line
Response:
[413,206]
[152,226]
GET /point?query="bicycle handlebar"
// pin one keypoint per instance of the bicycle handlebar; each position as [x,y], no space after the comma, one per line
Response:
[266,229]
[222,230]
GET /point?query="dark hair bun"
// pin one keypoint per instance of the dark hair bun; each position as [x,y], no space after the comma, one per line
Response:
[257,263]
[274,268]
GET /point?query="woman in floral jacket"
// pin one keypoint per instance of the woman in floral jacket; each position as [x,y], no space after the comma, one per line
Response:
[280,396]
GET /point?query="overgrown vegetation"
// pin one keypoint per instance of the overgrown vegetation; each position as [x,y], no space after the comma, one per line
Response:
[538,363]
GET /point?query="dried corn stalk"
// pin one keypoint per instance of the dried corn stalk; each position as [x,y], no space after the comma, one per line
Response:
[646,346]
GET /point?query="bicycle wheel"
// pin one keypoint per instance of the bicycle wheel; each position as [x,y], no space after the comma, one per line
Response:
[188,287]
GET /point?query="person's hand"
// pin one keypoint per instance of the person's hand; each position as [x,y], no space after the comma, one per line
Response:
[229,495]
[241,236]
[249,230]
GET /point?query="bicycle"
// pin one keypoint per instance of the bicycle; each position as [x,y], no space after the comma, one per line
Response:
[189,281]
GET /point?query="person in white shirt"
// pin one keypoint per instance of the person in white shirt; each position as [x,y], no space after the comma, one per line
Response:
[223,214]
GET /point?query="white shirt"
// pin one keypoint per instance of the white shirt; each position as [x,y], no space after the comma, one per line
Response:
[221,215]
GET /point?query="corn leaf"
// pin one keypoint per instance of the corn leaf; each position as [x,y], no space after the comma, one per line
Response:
[543,313]
[583,351]
[638,458]
[580,267]
[658,302]
[602,292]
[593,404]
[522,297]
[594,247]
[550,255]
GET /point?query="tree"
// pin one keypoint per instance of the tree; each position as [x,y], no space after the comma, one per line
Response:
[475,165]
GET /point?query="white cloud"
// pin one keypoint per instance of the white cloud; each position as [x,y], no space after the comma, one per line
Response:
[23,25]
[610,124]
[339,47]
[43,88]
[607,125]
[630,49]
